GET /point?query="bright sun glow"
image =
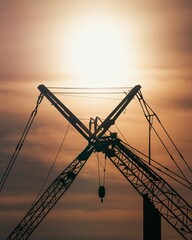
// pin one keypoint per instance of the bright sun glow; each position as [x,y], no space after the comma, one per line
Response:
[101,54]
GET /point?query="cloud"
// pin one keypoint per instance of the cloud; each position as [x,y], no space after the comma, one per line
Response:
[30,50]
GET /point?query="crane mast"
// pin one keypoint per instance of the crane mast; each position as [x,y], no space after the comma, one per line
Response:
[171,206]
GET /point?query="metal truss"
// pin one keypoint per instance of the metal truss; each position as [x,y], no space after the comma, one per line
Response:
[41,208]
[171,206]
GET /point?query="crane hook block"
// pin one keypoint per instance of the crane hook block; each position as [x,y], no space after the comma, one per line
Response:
[101,192]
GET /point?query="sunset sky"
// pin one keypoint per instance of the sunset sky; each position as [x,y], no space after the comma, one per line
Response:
[87,43]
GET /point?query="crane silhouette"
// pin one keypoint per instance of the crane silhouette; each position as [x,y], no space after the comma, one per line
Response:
[170,205]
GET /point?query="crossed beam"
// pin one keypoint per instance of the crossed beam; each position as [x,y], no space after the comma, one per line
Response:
[171,205]
[54,192]
[81,128]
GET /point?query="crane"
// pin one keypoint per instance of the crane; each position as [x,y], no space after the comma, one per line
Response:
[171,206]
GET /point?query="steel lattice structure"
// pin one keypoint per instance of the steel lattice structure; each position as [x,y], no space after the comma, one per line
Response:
[171,206]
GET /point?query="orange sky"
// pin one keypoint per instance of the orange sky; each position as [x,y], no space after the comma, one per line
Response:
[85,43]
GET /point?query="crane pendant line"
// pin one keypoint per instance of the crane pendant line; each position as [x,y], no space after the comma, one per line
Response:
[20,143]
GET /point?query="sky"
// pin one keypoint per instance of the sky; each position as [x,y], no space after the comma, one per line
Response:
[86,43]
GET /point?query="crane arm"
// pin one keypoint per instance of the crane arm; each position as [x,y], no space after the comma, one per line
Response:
[50,197]
[85,132]
[54,192]
[171,206]
[81,128]
[110,120]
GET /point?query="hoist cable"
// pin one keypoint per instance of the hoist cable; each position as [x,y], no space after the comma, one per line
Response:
[98,163]
[104,170]
[20,144]
[53,164]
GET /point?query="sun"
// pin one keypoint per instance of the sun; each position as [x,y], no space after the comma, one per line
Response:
[98,55]
[101,54]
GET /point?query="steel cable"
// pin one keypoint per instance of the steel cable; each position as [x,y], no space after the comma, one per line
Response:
[20,144]
[53,164]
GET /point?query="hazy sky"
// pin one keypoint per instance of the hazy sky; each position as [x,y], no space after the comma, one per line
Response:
[85,43]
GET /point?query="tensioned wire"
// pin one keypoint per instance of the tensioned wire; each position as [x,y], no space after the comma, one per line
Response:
[53,164]
[176,178]
[86,92]
[90,88]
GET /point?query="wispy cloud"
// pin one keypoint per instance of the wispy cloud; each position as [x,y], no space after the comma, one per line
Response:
[35,49]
